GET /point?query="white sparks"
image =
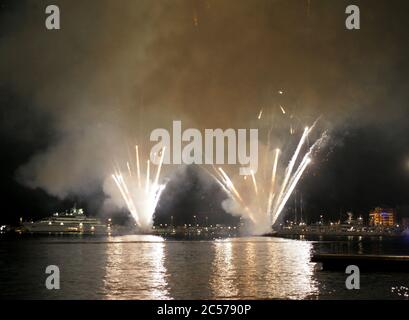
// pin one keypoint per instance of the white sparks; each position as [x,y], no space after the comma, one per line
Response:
[282,109]
[140,195]
[272,185]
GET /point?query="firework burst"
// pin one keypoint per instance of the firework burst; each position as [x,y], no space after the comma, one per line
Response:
[140,190]
[262,196]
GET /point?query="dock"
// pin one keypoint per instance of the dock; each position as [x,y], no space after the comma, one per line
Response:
[364,262]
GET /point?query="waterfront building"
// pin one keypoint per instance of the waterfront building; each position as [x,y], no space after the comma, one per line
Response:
[382,217]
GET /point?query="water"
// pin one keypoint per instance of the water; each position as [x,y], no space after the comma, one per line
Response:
[149,267]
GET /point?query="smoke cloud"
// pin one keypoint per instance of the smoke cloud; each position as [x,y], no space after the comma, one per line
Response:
[118,69]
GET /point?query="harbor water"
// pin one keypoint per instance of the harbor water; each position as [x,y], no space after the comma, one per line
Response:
[150,267]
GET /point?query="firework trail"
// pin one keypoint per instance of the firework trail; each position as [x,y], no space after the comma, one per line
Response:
[263,199]
[141,195]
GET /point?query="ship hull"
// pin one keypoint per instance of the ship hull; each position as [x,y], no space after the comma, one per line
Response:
[73,228]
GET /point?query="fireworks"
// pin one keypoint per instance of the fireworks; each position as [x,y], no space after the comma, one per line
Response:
[139,192]
[263,197]
[282,109]
[260,196]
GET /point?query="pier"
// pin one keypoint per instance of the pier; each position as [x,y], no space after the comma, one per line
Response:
[364,262]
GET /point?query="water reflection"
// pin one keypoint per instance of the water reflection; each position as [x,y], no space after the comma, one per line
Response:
[189,267]
[263,268]
[223,281]
[293,273]
[146,267]
[135,268]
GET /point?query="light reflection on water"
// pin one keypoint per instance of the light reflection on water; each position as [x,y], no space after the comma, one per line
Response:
[264,269]
[149,267]
[135,268]
[146,267]
[223,280]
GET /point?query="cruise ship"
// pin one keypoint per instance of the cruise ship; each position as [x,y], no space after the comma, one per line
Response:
[74,221]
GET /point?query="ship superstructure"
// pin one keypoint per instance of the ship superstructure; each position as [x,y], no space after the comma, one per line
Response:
[73,221]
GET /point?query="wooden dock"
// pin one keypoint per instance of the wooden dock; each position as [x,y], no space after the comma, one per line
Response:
[364,262]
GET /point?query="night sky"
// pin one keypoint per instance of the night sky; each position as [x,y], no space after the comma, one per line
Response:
[73,99]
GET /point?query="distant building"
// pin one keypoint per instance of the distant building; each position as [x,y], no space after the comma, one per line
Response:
[382,217]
